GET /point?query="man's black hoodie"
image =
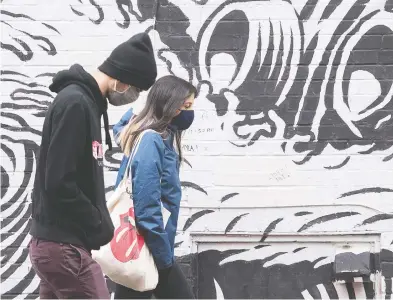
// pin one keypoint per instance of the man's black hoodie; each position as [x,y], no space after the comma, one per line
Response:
[69,195]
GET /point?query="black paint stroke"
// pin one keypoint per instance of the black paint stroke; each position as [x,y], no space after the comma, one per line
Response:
[318,260]
[46,74]
[329,9]
[270,228]
[147,8]
[33,295]
[331,290]
[389,6]
[10,14]
[21,222]
[299,249]
[388,288]
[169,63]
[339,165]
[14,96]
[236,145]
[228,196]
[350,290]
[18,16]
[307,10]
[200,2]
[8,252]
[6,221]
[194,186]
[366,191]
[387,158]
[12,268]
[271,257]
[111,169]
[100,13]
[77,12]
[261,246]
[232,224]
[99,9]
[172,24]
[10,154]
[196,216]
[20,54]
[51,27]
[17,107]
[109,189]
[337,59]
[303,213]
[29,84]
[124,13]
[19,129]
[51,50]
[10,72]
[5,181]
[283,146]
[109,155]
[376,218]
[314,292]
[327,218]
[24,126]
[22,285]
[176,245]
[187,162]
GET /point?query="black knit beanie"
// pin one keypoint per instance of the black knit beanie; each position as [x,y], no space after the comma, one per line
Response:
[132,62]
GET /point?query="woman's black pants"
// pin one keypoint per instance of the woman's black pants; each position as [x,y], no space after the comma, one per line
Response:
[172,284]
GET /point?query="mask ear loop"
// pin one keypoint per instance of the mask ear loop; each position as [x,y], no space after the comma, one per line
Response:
[118,91]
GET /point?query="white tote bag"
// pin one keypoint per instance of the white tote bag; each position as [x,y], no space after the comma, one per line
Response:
[126,260]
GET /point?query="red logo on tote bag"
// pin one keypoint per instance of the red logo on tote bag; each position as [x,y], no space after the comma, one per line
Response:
[127,243]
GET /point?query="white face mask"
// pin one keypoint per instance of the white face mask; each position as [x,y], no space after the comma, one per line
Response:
[117,98]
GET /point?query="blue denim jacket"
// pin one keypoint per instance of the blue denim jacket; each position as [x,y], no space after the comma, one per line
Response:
[155,179]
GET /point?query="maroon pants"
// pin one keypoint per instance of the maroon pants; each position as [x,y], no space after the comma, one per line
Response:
[66,271]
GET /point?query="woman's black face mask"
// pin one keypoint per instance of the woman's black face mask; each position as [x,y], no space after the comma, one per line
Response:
[183,120]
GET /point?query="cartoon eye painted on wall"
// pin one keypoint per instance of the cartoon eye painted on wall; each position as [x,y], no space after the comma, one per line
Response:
[348,98]
[361,85]
[248,62]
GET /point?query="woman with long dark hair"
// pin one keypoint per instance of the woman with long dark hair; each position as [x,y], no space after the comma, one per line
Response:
[155,178]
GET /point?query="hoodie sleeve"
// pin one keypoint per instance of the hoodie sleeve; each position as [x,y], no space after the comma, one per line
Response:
[66,147]
[120,125]
[146,171]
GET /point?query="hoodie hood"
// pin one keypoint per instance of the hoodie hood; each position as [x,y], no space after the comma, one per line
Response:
[76,74]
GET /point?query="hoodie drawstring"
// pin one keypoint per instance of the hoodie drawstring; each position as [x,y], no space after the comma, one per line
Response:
[108,139]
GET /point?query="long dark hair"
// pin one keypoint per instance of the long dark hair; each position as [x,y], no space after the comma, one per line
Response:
[165,97]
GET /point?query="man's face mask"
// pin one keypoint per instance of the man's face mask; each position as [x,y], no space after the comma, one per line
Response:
[123,95]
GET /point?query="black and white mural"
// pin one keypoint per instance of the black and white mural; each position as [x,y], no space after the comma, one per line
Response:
[287,185]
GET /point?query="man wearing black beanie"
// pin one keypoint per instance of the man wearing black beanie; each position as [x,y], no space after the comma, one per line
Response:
[69,213]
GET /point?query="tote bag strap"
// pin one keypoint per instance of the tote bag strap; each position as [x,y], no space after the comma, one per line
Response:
[133,152]
[125,181]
